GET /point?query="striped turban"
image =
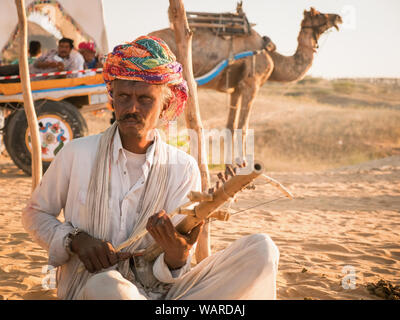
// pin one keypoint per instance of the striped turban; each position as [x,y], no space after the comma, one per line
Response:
[148,59]
[87,46]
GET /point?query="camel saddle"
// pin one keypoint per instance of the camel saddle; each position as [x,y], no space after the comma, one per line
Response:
[222,24]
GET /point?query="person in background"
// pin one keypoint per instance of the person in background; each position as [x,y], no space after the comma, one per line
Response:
[88,51]
[34,52]
[65,58]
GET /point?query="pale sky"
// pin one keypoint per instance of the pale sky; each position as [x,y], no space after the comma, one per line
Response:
[367,45]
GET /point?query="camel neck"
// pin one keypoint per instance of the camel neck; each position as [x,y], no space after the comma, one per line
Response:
[293,68]
[306,45]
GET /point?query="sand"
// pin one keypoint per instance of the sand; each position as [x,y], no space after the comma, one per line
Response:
[349,217]
[343,224]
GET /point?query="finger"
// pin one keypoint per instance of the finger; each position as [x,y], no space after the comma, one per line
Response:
[149,224]
[111,253]
[162,214]
[102,256]
[88,264]
[161,229]
[169,228]
[217,184]
[123,255]
[195,233]
[153,220]
[153,228]
[166,233]
[95,261]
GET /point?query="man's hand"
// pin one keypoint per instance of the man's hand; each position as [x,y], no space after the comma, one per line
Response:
[59,66]
[50,64]
[96,254]
[176,246]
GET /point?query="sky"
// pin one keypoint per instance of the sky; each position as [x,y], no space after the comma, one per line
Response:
[367,45]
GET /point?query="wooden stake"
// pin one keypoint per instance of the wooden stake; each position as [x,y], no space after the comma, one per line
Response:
[183,39]
[27,94]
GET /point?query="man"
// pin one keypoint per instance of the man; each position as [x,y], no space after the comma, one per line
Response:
[65,58]
[114,185]
[88,51]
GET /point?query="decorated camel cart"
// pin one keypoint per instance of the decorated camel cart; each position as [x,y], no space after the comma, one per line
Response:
[59,99]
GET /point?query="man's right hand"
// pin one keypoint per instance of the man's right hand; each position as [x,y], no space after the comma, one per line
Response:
[96,254]
[60,66]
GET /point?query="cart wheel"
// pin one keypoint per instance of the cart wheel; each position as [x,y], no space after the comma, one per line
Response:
[59,123]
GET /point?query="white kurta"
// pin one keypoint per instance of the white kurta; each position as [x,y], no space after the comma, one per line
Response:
[245,270]
[64,186]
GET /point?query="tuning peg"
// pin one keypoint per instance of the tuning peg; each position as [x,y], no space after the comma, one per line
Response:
[241,163]
[230,171]
[221,177]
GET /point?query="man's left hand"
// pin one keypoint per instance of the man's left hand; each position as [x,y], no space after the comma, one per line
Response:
[175,245]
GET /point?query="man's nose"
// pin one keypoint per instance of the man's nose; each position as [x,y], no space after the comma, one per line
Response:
[133,106]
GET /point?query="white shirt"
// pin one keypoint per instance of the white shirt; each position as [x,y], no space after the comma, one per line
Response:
[134,163]
[64,186]
[74,61]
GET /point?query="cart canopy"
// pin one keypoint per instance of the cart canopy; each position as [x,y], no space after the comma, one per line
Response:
[80,20]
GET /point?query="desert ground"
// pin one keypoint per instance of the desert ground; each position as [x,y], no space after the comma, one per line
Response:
[334,144]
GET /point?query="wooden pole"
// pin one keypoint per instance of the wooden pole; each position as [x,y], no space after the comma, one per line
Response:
[183,39]
[33,126]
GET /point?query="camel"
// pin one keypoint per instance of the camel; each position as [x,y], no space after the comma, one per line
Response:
[243,78]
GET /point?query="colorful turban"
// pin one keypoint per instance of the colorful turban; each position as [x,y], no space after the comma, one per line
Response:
[88,46]
[148,59]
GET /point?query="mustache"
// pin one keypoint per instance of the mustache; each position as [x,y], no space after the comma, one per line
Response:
[134,116]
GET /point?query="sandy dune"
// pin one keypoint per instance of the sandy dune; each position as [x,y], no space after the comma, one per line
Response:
[347,217]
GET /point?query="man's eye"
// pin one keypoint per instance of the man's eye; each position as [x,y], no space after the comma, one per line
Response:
[145,98]
[123,95]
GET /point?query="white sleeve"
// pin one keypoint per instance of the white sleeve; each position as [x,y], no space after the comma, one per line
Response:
[39,217]
[191,182]
[77,64]
[164,274]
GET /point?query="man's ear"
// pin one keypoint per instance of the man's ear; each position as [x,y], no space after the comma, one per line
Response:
[164,109]
[162,113]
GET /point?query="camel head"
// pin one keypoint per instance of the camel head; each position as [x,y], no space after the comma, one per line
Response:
[320,22]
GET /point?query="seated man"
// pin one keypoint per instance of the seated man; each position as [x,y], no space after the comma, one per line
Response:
[114,185]
[65,58]
[88,51]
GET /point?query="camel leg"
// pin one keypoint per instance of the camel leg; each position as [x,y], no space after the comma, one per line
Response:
[233,118]
[247,102]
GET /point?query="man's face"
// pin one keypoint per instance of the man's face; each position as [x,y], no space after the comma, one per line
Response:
[64,49]
[87,55]
[137,106]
